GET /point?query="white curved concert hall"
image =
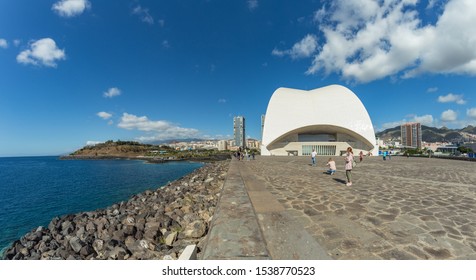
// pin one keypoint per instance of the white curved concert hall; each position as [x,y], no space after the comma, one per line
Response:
[327,119]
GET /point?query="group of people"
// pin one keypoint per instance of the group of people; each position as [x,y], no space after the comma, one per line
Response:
[386,154]
[240,155]
[349,164]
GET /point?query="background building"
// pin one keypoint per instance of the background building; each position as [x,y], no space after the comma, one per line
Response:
[239,131]
[252,143]
[222,145]
[411,135]
[327,119]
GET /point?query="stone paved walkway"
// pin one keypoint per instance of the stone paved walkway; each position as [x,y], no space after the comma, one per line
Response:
[403,208]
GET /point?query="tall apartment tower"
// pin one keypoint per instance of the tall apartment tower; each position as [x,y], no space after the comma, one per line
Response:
[411,135]
[239,131]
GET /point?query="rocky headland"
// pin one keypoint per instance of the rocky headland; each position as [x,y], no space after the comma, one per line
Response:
[155,224]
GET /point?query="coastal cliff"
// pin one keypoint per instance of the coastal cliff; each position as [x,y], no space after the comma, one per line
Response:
[148,152]
[155,224]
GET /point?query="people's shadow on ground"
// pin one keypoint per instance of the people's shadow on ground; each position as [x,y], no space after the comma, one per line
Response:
[340,180]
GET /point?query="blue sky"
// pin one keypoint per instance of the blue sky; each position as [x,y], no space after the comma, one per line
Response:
[74,72]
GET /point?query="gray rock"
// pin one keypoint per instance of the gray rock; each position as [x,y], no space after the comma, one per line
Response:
[25,252]
[86,250]
[151,234]
[46,238]
[60,252]
[98,245]
[129,230]
[34,236]
[29,245]
[53,225]
[117,253]
[76,244]
[188,219]
[66,228]
[170,238]
[42,247]
[195,229]
[118,235]
[90,227]
[34,256]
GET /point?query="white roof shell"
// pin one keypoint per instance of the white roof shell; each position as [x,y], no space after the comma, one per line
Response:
[332,109]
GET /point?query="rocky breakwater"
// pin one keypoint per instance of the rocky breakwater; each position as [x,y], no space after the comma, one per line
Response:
[152,225]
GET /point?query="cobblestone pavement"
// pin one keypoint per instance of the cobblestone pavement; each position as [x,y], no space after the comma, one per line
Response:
[403,208]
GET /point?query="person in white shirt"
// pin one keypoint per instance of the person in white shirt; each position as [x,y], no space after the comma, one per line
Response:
[313,157]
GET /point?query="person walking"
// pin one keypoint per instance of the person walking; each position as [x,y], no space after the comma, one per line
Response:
[361,156]
[313,157]
[349,160]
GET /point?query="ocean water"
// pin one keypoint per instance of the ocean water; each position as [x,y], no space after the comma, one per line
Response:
[33,190]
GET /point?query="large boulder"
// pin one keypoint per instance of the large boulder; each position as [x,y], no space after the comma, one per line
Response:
[195,229]
[76,244]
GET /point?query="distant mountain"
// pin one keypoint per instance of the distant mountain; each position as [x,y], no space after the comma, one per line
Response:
[469,129]
[433,134]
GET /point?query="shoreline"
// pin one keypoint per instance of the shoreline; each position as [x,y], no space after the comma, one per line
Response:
[154,224]
[213,158]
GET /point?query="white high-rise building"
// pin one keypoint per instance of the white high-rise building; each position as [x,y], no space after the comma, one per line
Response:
[239,131]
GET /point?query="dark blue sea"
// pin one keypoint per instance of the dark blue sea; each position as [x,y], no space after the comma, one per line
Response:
[33,190]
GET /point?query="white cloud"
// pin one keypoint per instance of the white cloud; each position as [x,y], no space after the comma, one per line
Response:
[458,99]
[144,15]
[129,121]
[222,100]
[114,91]
[424,120]
[471,113]
[42,52]
[160,130]
[252,4]
[70,8]
[432,89]
[104,115]
[366,40]
[449,116]
[304,48]
[3,43]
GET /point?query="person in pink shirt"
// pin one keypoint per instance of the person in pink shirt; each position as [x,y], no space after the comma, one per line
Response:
[349,159]
[332,166]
